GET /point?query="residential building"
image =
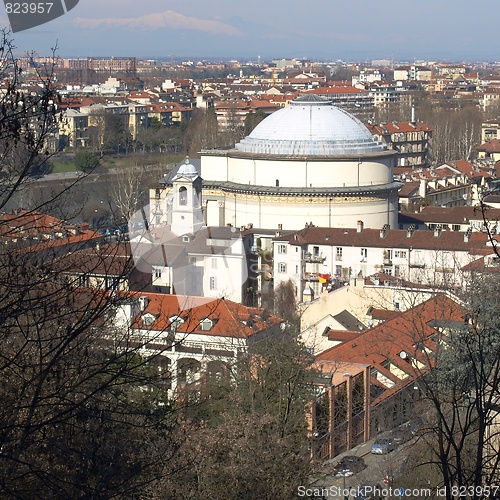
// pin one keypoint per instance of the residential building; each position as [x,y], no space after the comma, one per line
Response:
[356,305]
[455,183]
[188,257]
[413,72]
[489,131]
[459,218]
[489,150]
[188,338]
[411,140]
[316,259]
[73,129]
[46,236]
[371,382]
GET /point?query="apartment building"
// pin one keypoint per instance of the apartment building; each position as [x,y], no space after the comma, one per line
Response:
[454,183]
[411,140]
[190,338]
[318,259]
[372,380]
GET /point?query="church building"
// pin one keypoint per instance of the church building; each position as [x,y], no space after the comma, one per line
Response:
[310,162]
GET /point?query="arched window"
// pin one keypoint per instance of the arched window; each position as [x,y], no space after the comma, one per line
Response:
[183,196]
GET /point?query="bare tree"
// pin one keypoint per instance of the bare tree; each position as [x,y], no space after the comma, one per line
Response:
[73,415]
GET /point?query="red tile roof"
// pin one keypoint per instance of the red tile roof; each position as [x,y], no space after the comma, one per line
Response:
[405,333]
[397,127]
[492,146]
[230,319]
[35,231]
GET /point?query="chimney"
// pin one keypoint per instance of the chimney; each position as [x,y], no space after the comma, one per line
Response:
[143,303]
[384,230]
[280,227]
[359,226]
[422,190]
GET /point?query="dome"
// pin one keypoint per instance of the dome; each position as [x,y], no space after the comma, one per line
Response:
[310,126]
[187,169]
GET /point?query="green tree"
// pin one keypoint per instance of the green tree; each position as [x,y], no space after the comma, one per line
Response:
[85,160]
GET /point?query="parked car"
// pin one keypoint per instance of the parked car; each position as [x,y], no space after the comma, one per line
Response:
[348,466]
[415,425]
[383,445]
[401,435]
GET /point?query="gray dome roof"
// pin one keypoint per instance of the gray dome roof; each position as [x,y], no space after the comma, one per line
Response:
[311,125]
[187,169]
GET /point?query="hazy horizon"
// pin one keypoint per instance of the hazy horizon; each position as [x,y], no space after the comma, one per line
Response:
[327,31]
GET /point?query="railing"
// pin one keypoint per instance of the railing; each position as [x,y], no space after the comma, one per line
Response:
[163,339]
[417,264]
[321,447]
[311,277]
[308,257]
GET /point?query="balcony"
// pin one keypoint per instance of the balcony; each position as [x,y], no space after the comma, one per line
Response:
[311,276]
[316,259]
[417,264]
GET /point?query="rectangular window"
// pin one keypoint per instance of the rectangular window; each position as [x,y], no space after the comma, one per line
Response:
[111,283]
[455,227]
[281,267]
[418,257]
[364,254]
[157,272]
[213,283]
[315,251]
[296,269]
[338,254]
[447,260]
[281,248]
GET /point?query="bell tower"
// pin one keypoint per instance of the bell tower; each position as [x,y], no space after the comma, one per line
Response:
[187,214]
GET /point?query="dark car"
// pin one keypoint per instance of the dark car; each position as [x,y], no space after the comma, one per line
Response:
[383,445]
[349,465]
[401,435]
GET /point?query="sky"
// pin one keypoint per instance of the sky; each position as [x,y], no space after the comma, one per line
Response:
[350,30]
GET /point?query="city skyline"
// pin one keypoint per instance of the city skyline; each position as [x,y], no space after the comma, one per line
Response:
[327,31]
